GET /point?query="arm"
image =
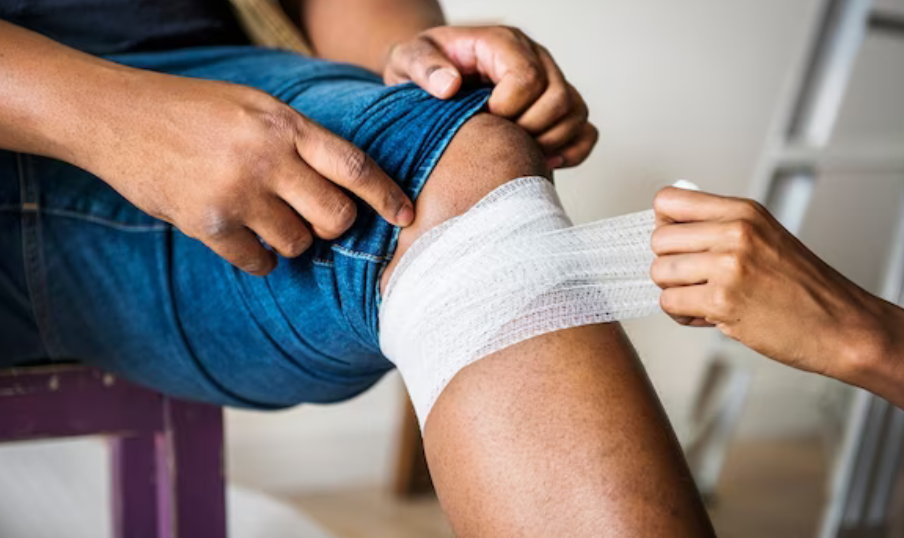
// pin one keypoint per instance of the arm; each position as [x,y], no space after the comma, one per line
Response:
[404,40]
[143,133]
[376,24]
[726,262]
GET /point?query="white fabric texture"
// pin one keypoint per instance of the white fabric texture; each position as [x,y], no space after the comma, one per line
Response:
[510,268]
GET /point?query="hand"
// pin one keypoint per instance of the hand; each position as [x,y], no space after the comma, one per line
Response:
[726,262]
[529,87]
[228,164]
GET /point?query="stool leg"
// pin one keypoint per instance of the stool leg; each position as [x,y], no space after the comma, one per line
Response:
[134,488]
[194,432]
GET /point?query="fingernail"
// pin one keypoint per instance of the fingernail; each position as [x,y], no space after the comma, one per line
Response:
[555,161]
[405,216]
[441,80]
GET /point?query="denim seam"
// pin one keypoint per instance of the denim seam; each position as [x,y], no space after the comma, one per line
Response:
[35,277]
[322,262]
[373,258]
[157,227]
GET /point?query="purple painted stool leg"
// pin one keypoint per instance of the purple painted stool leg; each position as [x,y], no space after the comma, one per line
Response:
[194,434]
[134,491]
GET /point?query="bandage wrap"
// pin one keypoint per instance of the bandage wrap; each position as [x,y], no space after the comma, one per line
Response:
[512,267]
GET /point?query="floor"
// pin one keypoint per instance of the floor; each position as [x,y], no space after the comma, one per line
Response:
[769,488]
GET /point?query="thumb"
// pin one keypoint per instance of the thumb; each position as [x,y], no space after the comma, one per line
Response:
[421,62]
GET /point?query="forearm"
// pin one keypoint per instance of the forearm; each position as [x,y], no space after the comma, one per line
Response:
[363,31]
[54,100]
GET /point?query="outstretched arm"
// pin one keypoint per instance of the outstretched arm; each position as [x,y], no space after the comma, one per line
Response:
[406,40]
[727,262]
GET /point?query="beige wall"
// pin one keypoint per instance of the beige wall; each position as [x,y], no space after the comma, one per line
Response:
[683,89]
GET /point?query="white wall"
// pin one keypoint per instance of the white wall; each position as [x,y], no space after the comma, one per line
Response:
[679,90]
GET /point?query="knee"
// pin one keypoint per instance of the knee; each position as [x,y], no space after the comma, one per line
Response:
[487,152]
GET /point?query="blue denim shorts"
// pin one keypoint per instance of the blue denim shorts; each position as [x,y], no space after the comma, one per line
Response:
[85,275]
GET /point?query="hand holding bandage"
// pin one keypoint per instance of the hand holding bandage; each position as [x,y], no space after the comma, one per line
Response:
[726,262]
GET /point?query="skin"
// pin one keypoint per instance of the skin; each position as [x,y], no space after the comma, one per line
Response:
[560,435]
[257,167]
[267,171]
[406,40]
[726,262]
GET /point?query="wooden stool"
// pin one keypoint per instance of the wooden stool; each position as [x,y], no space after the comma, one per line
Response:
[167,454]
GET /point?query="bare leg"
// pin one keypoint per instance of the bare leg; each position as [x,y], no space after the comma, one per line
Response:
[560,435]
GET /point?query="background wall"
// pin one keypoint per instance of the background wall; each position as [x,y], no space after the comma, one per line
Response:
[679,90]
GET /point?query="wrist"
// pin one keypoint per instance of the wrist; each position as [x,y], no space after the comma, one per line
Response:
[871,354]
[97,112]
[71,118]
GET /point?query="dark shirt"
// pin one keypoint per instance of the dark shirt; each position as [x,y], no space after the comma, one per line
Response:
[112,26]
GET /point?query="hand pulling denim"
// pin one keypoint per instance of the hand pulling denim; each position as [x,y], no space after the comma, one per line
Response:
[85,275]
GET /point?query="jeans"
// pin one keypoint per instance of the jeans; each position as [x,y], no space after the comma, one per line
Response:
[85,275]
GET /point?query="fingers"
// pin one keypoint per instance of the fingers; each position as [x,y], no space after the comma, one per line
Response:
[681,205]
[329,211]
[530,89]
[686,301]
[578,150]
[556,102]
[559,119]
[281,228]
[673,238]
[240,247]
[423,63]
[508,58]
[683,269]
[348,166]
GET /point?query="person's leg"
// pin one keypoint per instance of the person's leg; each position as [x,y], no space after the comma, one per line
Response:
[560,435]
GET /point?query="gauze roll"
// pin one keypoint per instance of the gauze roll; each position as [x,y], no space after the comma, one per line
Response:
[510,268]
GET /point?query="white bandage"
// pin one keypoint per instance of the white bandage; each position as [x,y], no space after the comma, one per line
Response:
[512,267]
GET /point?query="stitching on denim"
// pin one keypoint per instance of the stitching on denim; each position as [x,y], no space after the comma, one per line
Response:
[373,258]
[158,227]
[322,262]
[31,259]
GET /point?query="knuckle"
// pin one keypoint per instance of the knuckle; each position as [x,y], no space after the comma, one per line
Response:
[416,52]
[280,119]
[659,270]
[298,243]
[342,215]
[663,198]
[667,301]
[750,209]
[507,32]
[722,306]
[215,224]
[531,76]
[357,166]
[563,101]
[252,263]
[732,266]
[741,233]
[658,241]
